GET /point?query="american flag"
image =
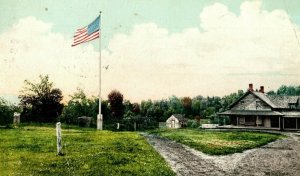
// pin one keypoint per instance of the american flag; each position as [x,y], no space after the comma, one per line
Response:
[88,33]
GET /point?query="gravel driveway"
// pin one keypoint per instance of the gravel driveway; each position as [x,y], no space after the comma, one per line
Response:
[279,158]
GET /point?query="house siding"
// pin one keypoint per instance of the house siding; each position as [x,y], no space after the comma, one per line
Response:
[251,102]
[267,122]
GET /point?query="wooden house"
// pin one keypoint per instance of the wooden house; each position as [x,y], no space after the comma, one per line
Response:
[176,121]
[257,109]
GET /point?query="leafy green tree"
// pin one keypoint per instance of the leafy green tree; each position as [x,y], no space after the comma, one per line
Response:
[187,105]
[272,92]
[6,112]
[41,101]
[146,107]
[115,99]
[227,100]
[175,105]
[198,104]
[128,106]
[288,90]
[136,108]
[79,105]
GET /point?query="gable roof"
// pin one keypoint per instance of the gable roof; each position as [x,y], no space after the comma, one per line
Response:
[180,117]
[264,98]
[274,101]
[259,95]
[282,101]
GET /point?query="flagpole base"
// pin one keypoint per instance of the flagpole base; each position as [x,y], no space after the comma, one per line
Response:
[99,122]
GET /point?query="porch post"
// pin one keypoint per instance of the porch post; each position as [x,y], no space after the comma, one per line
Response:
[237,121]
[296,123]
[280,125]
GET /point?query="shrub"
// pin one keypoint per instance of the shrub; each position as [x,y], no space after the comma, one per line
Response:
[193,124]
[6,112]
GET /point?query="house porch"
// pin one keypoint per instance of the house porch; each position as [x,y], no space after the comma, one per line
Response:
[270,122]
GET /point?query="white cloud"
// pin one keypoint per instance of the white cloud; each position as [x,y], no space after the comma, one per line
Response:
[30,48]
[224,54]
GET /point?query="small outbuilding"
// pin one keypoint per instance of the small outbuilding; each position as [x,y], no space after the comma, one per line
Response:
[176,121]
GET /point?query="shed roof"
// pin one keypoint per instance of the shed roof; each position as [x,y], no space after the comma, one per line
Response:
[180,117]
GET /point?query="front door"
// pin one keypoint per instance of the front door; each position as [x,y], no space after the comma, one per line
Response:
[173,124]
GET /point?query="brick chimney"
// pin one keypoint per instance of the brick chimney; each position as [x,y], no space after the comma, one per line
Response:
[262,89]
[250,87]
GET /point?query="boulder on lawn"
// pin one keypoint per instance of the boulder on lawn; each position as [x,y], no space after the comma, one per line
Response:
[84,121]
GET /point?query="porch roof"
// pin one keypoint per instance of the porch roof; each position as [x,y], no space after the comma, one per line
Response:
[291,114]
[251,112]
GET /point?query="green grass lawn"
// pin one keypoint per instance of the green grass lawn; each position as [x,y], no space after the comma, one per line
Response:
[31,150]
[217,142]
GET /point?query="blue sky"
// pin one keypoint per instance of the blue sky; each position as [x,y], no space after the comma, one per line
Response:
[153,48]
[119,16]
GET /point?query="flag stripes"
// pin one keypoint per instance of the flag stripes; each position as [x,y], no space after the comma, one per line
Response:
[88,33]
[84,37]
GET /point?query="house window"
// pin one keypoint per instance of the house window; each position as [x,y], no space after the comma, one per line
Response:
[290,123]
[292,106]
[275,122]
[242,120]
[257,104]
[250,120]
[243,104]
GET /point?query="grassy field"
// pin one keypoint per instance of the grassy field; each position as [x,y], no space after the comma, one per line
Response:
[31,150]
[217,143]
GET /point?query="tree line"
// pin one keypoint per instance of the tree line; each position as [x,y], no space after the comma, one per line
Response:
[42,102]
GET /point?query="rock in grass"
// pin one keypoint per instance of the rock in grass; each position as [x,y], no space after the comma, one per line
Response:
[84,121]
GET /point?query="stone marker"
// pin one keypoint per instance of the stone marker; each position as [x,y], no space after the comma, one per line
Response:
[99,122]
[209,126]
[84,121]
[16,119]
[59,139]
[134,126]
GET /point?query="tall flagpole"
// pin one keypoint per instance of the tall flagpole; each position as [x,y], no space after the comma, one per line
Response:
[99,118]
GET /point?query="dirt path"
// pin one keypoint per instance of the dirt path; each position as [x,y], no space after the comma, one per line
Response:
[279,158]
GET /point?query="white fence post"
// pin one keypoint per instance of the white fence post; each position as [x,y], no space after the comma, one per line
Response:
[59,139]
